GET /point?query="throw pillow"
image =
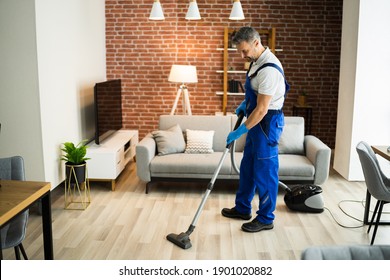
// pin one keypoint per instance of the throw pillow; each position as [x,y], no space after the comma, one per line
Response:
[199,141]
[169,141]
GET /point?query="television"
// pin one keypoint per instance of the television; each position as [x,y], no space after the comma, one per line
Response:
[108,109]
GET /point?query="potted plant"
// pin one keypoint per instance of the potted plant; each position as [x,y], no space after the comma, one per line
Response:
[302,98]
[75,161]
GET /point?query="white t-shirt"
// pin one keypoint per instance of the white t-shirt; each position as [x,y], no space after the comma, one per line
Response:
[269,80]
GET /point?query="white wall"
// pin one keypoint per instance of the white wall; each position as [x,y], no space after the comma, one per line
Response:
[69,59]
[19,90]
[364,92]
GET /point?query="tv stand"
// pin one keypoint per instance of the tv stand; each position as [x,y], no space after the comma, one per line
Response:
[108,159]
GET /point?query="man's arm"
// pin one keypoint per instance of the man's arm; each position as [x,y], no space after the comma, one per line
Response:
[254,118]
[260,111]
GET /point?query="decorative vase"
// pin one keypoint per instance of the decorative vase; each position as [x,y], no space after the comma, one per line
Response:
[75,173]
[302,100]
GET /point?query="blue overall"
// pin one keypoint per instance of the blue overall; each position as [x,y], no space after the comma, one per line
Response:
[260,163]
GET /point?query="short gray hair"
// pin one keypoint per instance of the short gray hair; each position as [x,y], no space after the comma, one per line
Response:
[246,34]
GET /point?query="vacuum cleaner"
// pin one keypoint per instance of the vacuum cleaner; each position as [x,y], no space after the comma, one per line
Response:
[305,198]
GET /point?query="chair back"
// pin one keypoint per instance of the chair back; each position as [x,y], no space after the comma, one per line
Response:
[372,172]
[13,233]
[12,168]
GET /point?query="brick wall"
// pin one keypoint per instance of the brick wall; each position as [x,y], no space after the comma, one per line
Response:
[141,52]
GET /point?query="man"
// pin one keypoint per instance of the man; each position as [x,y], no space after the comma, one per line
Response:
[265,89]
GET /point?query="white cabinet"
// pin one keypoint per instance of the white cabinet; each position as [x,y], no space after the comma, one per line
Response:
[108,159]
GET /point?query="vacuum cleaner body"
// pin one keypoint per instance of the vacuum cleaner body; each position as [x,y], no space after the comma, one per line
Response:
[305,198]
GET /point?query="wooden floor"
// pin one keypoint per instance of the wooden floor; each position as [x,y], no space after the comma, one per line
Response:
[128,224]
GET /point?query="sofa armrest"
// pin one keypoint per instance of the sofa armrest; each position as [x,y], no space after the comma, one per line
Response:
[145,152]
[319,154]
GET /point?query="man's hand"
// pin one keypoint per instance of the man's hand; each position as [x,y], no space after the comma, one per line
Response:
[241,108]
[234,135]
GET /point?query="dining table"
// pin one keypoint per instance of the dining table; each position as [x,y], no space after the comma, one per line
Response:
[17,196]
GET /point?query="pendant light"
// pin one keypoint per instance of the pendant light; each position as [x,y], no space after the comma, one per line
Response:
[157,12]
[237,13]
[193,11]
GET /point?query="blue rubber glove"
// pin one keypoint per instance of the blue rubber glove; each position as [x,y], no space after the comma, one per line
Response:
[241,108]
[234,135]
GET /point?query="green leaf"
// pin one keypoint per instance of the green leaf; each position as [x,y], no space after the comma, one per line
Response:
[74,154]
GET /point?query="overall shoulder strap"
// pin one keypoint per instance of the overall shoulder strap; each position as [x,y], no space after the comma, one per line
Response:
[276,67]
[266,65]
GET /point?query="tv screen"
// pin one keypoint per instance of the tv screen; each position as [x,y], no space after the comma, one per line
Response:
[108,109]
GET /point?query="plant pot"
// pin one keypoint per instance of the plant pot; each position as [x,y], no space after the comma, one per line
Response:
[76,173]
[77,191]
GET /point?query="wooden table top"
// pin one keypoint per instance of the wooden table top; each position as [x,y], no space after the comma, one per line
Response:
[382,151]
[15,196]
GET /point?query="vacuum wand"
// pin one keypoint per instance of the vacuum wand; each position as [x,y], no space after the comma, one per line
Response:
[183,239]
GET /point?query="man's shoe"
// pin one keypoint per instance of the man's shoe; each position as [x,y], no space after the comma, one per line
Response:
[233,213]
[255,226]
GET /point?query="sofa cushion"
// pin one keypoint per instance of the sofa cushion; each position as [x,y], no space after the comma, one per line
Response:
[295,166]
[169,141]
[292,138]
[189,164]
[199,141]
[292,166]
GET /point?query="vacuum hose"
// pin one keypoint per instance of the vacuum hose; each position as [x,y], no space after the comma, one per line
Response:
[232,150]
[233,144]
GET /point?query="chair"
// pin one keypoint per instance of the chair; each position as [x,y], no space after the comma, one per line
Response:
[377,183]
[14,232]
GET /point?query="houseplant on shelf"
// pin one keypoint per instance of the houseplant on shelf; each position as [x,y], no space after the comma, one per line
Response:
[302,98]
[75,161]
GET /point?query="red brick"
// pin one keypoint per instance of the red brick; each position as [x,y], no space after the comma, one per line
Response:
[141,52]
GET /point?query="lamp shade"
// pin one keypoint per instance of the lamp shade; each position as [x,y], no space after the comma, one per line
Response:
[157,12]
[183,74]
[193,11]
[237,13]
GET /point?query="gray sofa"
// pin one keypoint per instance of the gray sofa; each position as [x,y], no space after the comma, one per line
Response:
[345,252]
[302,158]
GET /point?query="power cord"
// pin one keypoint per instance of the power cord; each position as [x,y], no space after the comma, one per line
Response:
[362,202]
[345,212]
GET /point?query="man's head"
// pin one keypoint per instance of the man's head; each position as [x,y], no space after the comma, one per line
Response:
[248,43]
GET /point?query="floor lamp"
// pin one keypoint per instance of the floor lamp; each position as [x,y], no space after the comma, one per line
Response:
[183,74]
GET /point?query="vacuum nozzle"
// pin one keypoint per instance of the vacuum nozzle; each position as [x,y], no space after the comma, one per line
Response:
[182,240]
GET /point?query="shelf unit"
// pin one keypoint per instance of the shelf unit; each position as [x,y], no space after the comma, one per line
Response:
[271,36]
[108,159]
